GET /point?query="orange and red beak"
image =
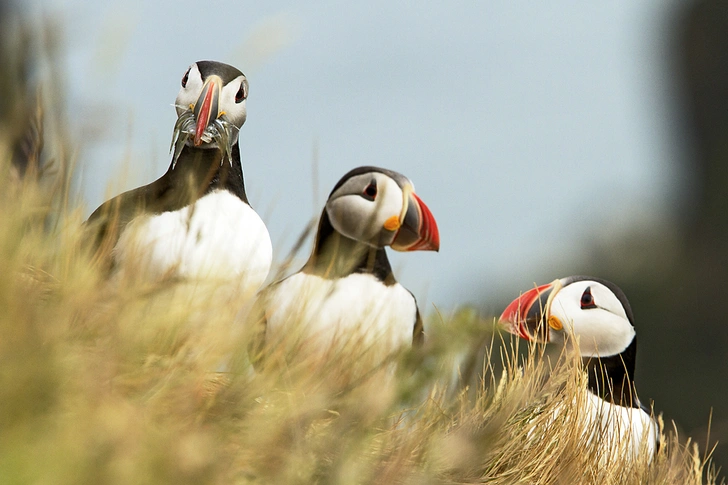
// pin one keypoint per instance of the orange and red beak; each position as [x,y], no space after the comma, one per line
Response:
[207,107]
[528,315]
[418,229]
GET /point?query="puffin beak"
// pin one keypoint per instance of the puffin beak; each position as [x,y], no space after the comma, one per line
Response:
[417,229]
[528,316]
[207,107]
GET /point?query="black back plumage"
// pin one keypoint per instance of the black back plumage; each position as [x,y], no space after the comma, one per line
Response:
[196,172]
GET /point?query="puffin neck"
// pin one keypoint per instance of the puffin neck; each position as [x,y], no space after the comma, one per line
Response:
[336,256]
[612,378]
[205,169]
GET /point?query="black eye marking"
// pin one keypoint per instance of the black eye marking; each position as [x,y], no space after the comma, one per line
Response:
[241,94]
[185,78]
[370,192]
[587,300]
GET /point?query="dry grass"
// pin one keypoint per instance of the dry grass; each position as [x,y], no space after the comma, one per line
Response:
[113,382]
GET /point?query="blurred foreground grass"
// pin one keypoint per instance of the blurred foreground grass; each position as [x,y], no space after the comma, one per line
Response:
[116,382]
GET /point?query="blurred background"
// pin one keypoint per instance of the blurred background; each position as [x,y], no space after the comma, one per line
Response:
[547,140]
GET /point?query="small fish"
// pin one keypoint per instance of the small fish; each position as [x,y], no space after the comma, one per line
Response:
[221,131]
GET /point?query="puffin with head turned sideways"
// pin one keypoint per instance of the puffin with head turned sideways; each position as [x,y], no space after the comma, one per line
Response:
[346,293]
[195,221]
[596,314]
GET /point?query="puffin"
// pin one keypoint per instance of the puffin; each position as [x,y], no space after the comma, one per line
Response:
[194,222]
[597,315]
[345,298]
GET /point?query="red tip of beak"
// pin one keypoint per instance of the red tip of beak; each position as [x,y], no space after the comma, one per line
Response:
[429,234]
[203,116]
[514,316]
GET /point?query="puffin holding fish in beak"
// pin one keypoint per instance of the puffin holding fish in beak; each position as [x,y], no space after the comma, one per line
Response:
[596,315]
[195,221]
[346,295]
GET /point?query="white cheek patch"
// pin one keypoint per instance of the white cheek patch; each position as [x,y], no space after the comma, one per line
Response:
[601,332]
[607,300]
[189,94]
[351,215]
[359,218]
[611,336]
[235,113]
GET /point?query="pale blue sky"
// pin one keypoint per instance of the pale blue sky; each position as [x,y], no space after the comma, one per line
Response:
[525,127]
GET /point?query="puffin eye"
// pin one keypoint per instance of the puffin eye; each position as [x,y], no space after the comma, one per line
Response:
[240,95]
[185,78]
[587,300]
[370,192]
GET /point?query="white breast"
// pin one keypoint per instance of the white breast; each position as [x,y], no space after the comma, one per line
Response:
[620,429]
[617,433]
[334,313]
[218,237]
